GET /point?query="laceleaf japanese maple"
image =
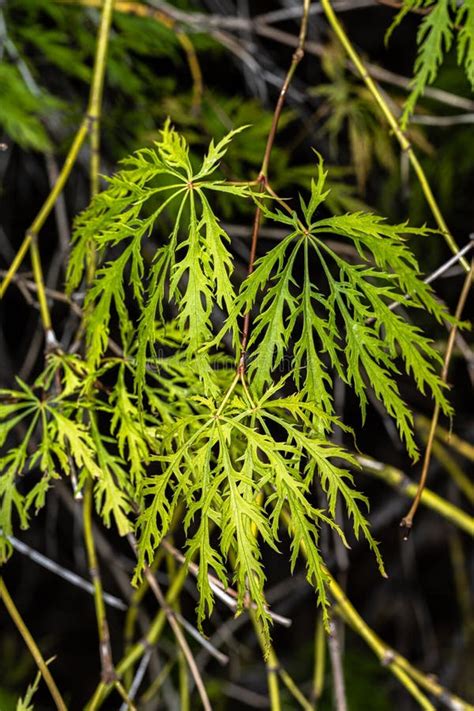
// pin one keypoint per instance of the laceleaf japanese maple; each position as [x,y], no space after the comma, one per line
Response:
[186,426]
[197,399]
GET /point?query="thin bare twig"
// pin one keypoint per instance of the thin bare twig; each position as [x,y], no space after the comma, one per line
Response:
[137,679]
[22,281]
[263,176]
[335,655]
[63,572]
[443,121]
[227,595]
[181,640]
[407,521]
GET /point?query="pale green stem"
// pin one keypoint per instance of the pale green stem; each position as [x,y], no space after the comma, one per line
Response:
[32,646]
[319,660]
[137,651]
[41,287]
[293,689]
[105,652]
[271,663]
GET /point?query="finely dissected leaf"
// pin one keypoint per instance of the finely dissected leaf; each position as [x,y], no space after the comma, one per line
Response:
[110,499]
[20,406]
[271,330]
[108,290]
[318,455]
[340,318]
[25,704]
[192,271]
[167,427]
[434,39]
[465,19]
[215,154]
[236,481]
[242,520]
[67,441]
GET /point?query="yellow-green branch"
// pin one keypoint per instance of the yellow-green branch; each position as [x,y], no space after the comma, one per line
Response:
[271,665]
[93,112]
[405,144]
[108,673]
[97,88]
[48,205]
[398,480]
[397,664]
[32,646]
[465,449]
[411,678]
[138,649]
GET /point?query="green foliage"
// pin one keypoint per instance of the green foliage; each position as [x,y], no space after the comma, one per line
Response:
[177,428]
[192,268]
[444,21]
[349,105]
[465,48]
[57,441]
[59,41]
[352,321]
[351,117]
[21,111]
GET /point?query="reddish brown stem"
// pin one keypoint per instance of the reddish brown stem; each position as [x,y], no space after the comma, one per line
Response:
[263,175]
[407,522]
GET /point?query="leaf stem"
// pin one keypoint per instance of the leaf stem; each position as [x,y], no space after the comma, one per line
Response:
[407,521]
[263,176]
[398,480]
[227,395]
[32,646]
[139,649]
[394,125]
[105,652]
